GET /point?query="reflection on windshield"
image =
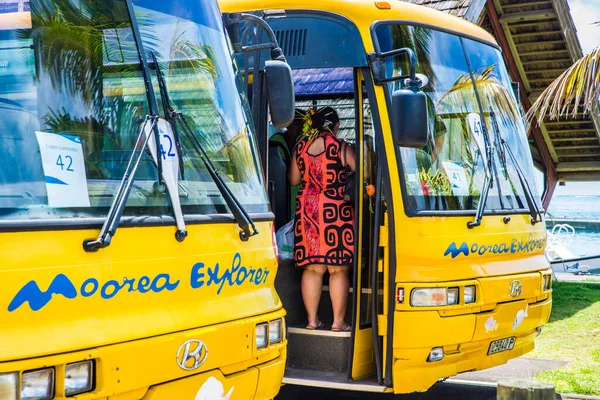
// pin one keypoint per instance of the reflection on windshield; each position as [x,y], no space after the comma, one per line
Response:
[448,173]
[70,68]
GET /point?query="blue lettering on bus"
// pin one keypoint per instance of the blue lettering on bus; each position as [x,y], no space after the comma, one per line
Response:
[217,276]
[514,246]
[37,299]
[454,251]
[236,275]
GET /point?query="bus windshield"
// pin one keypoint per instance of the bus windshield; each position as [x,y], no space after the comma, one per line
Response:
[73,99]
[471,105]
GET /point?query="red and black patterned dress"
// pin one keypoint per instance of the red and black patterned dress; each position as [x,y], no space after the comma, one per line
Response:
[324,222]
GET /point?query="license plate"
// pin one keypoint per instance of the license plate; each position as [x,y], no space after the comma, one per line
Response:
[502,345]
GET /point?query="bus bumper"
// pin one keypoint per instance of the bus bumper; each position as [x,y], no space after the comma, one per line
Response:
[465,339]
[259,382]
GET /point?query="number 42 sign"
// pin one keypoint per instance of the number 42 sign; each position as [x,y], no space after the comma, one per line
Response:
[64,170]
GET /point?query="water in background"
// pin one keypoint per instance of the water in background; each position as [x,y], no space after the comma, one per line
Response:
[578,207]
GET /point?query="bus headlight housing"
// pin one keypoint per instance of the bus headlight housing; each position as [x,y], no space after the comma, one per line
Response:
[9,386]
[78,378]
[429,297]
[470,294]
[547,282]
[38,385]
[275,329]
[262,336]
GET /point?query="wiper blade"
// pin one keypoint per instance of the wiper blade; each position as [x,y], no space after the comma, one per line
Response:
[116,209]
[534,211]
[157,129]
[489,165]
[487,185]
[175,117]
[169,112]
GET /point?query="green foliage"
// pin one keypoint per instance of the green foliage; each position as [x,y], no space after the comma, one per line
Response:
[578,87]
[434,183]
[573,335]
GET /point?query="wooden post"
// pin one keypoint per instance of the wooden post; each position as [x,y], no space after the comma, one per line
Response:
[525,390]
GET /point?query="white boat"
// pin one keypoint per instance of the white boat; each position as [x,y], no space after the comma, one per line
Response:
[562,259]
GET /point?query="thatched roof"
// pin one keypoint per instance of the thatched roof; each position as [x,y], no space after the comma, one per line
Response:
[468,9]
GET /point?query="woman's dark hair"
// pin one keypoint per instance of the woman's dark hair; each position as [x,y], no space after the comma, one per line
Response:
[325,119]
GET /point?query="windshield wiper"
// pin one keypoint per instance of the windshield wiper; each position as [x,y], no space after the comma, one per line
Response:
[488,165]
[116,209]
[111,223]
[534,211]
[168,110]
[240,214]
[488,182]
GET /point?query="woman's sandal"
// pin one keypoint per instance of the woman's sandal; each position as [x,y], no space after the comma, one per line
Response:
[314,328]
[345,328]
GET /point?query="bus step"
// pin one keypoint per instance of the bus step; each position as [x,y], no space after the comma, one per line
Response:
[331,380]
[321,349]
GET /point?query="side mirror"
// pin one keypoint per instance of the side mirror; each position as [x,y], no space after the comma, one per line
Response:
[280,91]
[408,117]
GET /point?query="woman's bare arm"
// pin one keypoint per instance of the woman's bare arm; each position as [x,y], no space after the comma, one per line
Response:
[294,173]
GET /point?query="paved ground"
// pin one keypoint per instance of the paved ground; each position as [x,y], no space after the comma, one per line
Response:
[441,391]
[519,368]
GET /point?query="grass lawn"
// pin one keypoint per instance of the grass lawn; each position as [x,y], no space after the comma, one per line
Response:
[573,335]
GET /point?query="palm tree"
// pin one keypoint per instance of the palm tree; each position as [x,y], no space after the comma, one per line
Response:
[462,99]
[70,41]
[578,86]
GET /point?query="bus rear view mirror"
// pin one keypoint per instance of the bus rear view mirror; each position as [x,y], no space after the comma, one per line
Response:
[280,91]
[409,117]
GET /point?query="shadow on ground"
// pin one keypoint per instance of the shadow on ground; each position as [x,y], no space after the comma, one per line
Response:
[444,391]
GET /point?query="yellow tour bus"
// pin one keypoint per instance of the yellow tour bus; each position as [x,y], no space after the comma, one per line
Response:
[132,115]
[449,274]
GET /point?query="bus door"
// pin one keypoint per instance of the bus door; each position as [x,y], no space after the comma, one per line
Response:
[363,355]
[372,326]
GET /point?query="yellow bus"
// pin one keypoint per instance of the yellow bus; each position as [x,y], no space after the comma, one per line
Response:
[131,115]
[450,274]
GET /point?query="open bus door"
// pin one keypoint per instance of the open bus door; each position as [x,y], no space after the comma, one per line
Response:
[346,360]
[365,354]
[373,323]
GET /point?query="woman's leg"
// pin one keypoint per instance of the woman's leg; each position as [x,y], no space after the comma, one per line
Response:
[338,290]
[312,283]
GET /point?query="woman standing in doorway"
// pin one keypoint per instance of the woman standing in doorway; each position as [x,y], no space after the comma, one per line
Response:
[324,222]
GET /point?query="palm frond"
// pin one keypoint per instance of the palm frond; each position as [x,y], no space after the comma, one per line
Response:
[462,97]
[577,86]
[201,58]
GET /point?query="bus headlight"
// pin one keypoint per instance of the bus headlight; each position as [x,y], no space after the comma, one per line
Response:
[470,296]
[453,296]
[78,378]
[38,385]
[275,331]
[9,386]
[429,297]
[262,336]
[436,354]
[546,282]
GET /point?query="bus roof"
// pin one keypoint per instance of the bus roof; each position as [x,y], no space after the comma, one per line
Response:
[363,13]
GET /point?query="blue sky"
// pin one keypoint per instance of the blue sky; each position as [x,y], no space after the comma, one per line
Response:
[584,12]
